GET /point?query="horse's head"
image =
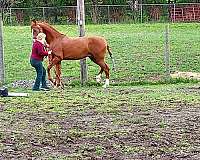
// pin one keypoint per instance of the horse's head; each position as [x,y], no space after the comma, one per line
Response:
[35,28]
[43,27]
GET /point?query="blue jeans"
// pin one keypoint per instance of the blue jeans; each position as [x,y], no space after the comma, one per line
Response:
[41,74]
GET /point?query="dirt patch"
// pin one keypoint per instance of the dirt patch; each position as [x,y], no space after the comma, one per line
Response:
[187,75]
[95,127]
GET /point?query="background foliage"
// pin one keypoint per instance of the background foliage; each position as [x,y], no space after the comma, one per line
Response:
[39,3]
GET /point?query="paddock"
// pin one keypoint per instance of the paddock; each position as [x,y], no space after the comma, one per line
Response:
[140,116]
[142,50]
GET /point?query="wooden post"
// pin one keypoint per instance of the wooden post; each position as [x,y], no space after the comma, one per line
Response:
[43,13]
[10,16]
[2,72]
[166,52]
[141,13]
[108,14]
[174,17]
[81,24]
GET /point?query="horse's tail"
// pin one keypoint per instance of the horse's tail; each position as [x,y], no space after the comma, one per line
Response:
[113,61]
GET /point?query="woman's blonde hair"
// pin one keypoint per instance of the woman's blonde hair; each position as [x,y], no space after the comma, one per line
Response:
[41,36]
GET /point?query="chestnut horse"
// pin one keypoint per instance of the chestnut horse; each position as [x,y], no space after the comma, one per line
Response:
[67,48]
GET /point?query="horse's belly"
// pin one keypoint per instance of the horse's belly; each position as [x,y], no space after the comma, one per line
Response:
[74,50]
[75,56]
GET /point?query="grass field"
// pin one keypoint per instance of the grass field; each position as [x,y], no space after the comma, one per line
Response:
[138,46]
[138,122]
[125,121]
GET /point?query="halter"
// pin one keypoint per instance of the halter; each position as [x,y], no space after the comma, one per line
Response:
[36,29]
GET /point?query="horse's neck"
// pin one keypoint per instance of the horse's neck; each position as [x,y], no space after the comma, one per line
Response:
[51,34]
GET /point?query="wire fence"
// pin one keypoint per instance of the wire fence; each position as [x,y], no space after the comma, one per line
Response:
[103,14]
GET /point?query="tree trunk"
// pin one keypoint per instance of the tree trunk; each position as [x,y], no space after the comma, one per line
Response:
[94,11]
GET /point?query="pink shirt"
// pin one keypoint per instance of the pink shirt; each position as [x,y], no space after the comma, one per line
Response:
[38,51]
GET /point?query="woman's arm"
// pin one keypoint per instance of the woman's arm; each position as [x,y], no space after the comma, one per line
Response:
[41,50]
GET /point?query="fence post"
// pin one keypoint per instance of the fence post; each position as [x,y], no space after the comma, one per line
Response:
[2,74]
[174,17]
[167,52]
[141,12]
[81,24]
[43,13]
[10,16]
[108,14]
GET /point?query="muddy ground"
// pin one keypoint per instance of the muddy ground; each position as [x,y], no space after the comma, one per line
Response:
[123,123]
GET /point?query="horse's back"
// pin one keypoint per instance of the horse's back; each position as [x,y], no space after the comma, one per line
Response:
[74,41]
[81,47]
[97,44]
[74,48]
[97,39]
[92,43]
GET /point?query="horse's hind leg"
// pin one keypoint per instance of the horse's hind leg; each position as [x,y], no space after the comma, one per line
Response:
[107,72]
[98,77]
[106,69]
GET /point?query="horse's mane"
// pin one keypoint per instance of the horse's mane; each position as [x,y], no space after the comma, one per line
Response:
[47,24]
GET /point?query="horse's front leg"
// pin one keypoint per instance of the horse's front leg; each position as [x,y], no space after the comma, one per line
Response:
[52,63]
[58,81]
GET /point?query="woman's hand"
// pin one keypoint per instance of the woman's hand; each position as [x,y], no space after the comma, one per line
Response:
[49,52]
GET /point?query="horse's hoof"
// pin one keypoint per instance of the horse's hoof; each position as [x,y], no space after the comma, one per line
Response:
[98,79]
[105,86]
[55,87]
[106,83]
[62,87]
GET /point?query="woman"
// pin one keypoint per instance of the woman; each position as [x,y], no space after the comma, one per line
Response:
[37,55]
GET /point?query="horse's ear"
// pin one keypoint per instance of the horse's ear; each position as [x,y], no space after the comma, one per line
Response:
[33,22]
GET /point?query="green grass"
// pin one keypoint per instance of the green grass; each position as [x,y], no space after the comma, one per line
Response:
[137,48]
[140,116]
[86,122]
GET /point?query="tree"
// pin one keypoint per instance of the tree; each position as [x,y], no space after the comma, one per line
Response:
[6,3]
[94,11]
